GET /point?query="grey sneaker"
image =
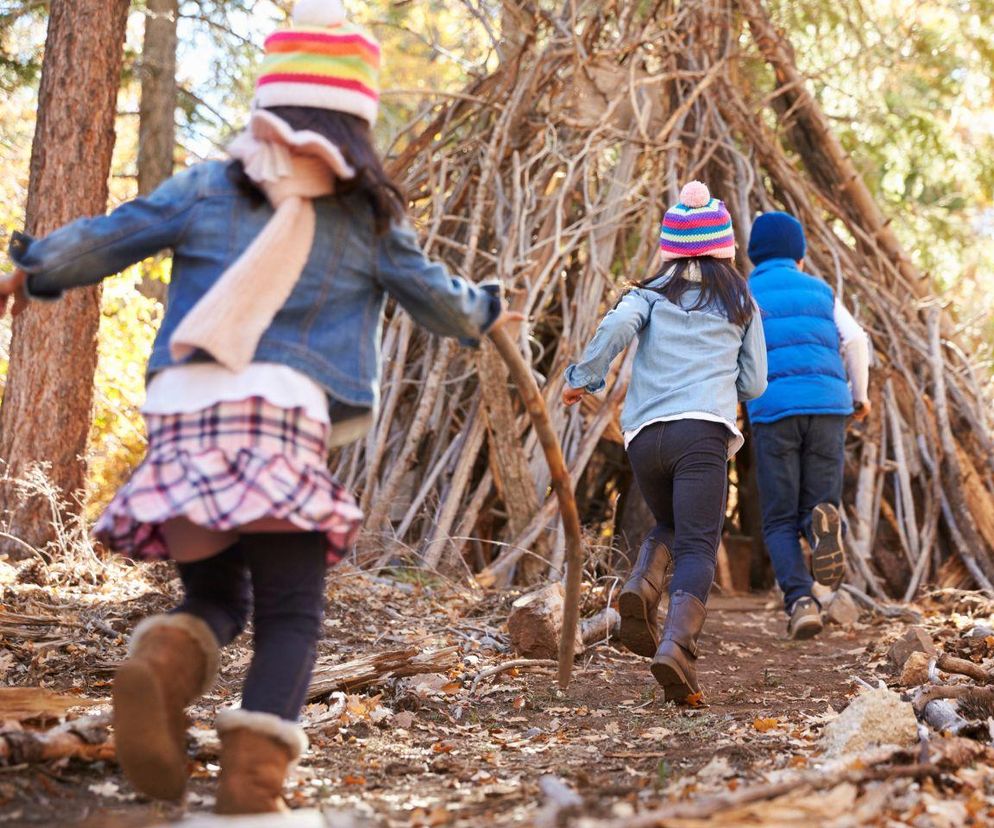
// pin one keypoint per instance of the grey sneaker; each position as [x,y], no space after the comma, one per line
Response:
[805,619]
[828,558]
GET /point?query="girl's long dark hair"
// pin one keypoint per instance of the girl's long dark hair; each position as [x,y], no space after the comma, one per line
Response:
[352,136]
[721,286]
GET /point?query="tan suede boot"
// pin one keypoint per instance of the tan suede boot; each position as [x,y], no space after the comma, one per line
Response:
[172,659]
[675,663]
[638,603]
[257,751]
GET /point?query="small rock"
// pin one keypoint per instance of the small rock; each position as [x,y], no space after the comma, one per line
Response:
[843,610]
[980,631]
[915,640]
[875,717]
[404,720]
[915,670]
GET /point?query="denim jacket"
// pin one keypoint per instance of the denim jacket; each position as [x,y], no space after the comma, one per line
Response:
[686,360]
[330,327]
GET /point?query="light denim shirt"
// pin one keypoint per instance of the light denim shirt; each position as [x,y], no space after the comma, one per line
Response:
[686,361]
[329,328]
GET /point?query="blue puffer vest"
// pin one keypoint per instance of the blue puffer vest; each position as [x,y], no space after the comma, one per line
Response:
[806,372]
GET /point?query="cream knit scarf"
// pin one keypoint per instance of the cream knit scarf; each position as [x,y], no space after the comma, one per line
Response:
[229,319]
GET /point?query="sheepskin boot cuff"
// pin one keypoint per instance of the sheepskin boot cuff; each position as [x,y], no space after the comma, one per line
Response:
[289,734]
[195,628]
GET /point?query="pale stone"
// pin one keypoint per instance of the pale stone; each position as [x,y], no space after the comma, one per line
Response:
[843,610]
[915,670]
[875,717]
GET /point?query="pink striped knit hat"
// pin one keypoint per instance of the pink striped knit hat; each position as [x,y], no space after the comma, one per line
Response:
[323,61]
[698,226]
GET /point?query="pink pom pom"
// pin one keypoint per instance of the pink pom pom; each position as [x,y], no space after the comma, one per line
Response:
[318,13]
[695,194]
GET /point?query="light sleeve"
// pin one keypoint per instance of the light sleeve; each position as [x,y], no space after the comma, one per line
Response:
[855,352]
[616,330]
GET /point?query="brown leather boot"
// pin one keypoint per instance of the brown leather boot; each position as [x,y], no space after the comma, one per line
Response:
[172,659]
[638,603]
[257,750]
[675,663]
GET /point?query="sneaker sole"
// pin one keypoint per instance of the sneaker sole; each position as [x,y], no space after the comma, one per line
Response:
[806,630]
[636,630]
[828,558]
[145,751]
[670,677]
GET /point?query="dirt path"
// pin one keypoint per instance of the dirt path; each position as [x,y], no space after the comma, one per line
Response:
[424,751]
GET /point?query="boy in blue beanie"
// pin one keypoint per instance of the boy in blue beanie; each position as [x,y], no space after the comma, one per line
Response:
[818,376]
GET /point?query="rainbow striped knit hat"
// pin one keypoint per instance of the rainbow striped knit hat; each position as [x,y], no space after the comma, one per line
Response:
[323,61]
[698,226]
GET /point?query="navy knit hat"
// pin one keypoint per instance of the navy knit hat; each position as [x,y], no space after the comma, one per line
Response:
[776,236]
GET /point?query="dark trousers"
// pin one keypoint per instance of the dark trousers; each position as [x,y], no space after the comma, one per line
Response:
[681,468]
[799,464]
[278,578]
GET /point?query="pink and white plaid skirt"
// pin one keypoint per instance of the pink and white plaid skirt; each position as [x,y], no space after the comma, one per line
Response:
[228,466]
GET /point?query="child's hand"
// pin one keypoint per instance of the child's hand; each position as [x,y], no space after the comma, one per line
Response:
[13,285]
[571,396]
[862,411]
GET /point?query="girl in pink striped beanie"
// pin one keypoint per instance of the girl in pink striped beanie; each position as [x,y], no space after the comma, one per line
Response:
[698,226]
[700,351]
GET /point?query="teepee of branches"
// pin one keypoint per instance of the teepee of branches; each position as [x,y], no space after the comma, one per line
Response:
[551,175]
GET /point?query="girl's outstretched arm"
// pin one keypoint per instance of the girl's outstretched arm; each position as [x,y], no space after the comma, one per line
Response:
[86,250]
[613,335]
[751,382]
[444,304]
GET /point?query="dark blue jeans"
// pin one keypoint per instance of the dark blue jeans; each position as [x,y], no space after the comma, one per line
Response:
[278,578]
[681,468]
[799,463]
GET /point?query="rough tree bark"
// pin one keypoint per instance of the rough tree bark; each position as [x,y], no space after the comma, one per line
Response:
[157,111]
[49,393]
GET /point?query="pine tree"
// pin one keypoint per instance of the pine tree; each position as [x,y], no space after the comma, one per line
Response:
[45,415]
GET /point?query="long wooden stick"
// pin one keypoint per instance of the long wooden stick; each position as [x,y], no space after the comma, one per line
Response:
[561,484]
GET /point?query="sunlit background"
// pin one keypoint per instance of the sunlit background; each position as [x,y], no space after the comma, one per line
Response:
[907,84]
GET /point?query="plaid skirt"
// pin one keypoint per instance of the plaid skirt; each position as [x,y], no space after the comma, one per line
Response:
[226,466]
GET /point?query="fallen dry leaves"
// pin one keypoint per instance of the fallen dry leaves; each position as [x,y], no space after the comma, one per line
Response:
[445,749]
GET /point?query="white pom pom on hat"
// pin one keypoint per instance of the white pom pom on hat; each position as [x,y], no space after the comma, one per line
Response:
[695,194]
[318,13]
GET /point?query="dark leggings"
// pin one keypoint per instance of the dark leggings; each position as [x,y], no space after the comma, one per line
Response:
[681,468]
[282,575]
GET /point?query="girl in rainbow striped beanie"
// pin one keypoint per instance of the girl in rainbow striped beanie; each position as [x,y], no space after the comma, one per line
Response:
[284,256]
[700,351]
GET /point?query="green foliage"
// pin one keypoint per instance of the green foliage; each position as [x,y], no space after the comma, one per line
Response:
[22,35]
[908,85]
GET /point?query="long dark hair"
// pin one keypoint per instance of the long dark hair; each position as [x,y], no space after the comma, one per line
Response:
[721,286]
[352,136]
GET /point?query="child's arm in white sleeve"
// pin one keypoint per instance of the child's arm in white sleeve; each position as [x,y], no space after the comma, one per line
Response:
[855,352]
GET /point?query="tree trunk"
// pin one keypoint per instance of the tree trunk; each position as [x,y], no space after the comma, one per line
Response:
[49,393]
[157,112]
[507,457]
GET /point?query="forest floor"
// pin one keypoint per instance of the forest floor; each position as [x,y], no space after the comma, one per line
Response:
[438,750]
